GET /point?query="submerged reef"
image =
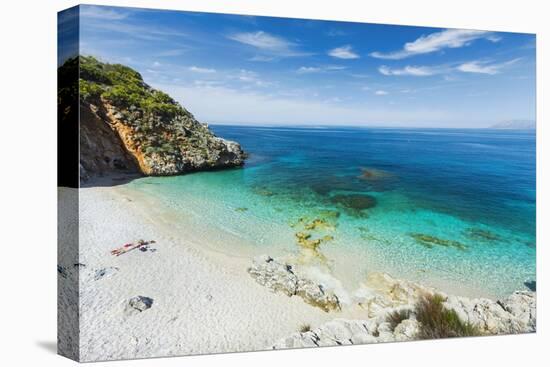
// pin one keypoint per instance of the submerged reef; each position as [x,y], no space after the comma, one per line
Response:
[430,241]
[354,203]
[482,234]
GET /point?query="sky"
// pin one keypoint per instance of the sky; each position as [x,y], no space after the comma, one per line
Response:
[236,69]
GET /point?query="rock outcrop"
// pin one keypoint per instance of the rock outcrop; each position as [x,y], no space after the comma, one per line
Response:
[282,277]
[380,296]
[127,126]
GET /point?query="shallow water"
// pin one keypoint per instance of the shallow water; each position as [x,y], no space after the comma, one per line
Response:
[452,208]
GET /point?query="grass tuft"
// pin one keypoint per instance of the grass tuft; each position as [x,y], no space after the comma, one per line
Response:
[304,328]
[396,317]
[438,322]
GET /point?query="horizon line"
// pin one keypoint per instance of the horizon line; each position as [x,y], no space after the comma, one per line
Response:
[359,126]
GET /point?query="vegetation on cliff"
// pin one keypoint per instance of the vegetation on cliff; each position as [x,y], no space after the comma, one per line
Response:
[162,136]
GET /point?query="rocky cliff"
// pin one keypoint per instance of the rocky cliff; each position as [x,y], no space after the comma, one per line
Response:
[128,126]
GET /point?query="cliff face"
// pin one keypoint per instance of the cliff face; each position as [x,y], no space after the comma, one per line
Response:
[127,126]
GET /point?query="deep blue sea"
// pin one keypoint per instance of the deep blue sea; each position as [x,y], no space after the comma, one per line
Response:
[454,208]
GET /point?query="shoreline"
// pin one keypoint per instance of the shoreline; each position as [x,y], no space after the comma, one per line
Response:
[203,299]
[224,243]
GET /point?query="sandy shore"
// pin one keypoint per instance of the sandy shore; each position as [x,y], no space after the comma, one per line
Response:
[203,302]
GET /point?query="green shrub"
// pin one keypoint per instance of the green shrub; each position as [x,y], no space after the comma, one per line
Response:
[396,317]
[304,328]
[124,87]
[438,322]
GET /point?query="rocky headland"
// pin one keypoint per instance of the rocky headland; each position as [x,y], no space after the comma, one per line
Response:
[126,126]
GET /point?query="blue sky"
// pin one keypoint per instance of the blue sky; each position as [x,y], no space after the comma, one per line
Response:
[263,70]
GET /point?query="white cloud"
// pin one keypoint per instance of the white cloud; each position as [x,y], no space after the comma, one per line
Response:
[335,67]
[344,52]
[480,67]
[411,70]
[319,69]
[268,43]
[449,38]
[308,70]
[252,78]
[261,58]
[197,69]
[169,53]
[207,83]
[252,107]
[381,93]
[132,30]
[101,12]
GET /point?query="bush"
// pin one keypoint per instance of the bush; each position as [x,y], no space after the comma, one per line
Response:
[304,328]
[124,87]
[438,322]
[396,317]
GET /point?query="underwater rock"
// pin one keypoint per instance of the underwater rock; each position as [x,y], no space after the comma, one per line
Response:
[373,174]
[429,241]
[531,285]
[241,209]
[329,214]
[355,202]
[264,192]
[482,234]
[319,223]
[284,278]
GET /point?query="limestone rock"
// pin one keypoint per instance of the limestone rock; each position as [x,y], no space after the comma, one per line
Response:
[284,278]
[140,303]
[152,134]
[381,295]
[515,314]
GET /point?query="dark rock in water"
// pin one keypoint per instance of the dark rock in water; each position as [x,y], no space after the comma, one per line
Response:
[355,201]
[330,214]
[482,234]
[531,285]
[373,174]
[140,303]
[264,192]
[243,209]
[429,241]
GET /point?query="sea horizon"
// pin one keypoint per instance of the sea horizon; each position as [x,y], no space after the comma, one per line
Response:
[358,126]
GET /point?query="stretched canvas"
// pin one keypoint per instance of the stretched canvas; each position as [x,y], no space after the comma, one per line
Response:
[233,183]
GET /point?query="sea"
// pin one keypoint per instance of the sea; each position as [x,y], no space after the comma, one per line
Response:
[451,208]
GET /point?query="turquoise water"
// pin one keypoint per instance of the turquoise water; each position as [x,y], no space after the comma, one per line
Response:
[451,208]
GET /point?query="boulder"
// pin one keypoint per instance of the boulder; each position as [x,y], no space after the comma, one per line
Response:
[140,303]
